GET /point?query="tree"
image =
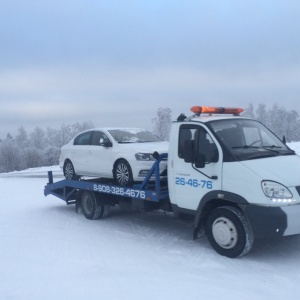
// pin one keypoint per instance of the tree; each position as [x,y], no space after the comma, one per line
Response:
[249,112]
[32,157]
[162,123]
[22,138]
[51,156]
[38,138]
[9,156]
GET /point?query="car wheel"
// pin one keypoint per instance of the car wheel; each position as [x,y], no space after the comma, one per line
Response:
[69,171]
[229,232]
[122,173]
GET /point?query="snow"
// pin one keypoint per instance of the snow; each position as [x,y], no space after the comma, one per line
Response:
[48,251]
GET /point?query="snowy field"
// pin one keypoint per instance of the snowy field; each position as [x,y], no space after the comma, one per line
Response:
[48,251]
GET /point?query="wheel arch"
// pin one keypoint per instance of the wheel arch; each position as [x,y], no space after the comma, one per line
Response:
[213,200]
[119,159]
[67,159]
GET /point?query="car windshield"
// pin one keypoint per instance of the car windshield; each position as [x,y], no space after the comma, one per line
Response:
[134,135]
[248,139]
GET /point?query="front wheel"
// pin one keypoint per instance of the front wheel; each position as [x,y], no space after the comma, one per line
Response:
[122,173]
[92,207]
[229,231]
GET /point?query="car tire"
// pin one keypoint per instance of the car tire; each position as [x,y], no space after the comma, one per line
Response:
[92,207]
[69,171]
[122,173]
[229,231]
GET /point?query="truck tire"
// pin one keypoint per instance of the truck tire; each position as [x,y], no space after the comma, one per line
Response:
[122,173]
[229,231]
[69,171]
[92,207]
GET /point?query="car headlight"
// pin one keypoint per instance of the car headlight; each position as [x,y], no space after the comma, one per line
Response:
[277,192]
[144,156]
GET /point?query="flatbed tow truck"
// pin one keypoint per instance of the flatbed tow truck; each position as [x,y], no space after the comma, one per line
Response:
[225,171]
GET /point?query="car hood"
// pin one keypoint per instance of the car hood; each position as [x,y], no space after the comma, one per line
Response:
[160,147]
[284,169]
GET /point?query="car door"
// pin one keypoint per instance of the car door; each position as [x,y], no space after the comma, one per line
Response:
[99,155]
[191,183]
[79,152]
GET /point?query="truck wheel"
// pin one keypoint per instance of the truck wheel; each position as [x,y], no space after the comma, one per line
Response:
[229,232]
[92,207]
[122,173]
[69,171]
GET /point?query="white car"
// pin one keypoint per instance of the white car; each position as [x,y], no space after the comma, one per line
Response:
[124,154]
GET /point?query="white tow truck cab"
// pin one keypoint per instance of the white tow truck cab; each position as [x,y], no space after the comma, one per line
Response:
[235,176]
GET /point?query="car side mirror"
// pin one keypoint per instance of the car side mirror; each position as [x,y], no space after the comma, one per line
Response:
[105,143]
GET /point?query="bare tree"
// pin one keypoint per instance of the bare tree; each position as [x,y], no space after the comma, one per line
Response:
[162,123]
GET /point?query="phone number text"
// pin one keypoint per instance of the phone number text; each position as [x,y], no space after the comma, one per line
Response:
[194,182]
[120,191]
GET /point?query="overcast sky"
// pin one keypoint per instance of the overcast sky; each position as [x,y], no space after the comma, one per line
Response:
[116,62]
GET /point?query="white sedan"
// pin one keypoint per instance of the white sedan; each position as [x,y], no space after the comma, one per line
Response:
[124,154]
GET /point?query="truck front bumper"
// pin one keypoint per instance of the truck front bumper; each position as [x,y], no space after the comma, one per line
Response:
[269,221]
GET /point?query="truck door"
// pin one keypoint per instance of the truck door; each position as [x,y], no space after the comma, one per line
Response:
[192,181]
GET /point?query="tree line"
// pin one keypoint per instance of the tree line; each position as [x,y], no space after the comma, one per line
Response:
[281,121]
[37,148]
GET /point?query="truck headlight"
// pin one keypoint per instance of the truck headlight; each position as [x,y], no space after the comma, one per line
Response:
[144,156]
[277,192]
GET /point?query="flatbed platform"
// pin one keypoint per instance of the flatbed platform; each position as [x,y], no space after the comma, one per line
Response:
[68,190]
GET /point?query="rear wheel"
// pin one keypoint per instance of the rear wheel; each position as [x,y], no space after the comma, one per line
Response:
[69,171]
[122,173]
[92,207]
[229,231]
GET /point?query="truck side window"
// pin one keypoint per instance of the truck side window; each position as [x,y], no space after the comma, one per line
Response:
[203,142]
[205,145]
[185,134]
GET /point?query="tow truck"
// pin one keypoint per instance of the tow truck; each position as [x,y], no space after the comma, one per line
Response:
[235,178]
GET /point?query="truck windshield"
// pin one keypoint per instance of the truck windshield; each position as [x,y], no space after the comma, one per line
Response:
[248,139]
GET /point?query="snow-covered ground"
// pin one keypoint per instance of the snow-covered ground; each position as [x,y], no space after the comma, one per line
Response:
[47,251]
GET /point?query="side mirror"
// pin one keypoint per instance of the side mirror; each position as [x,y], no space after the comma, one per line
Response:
[189,151]
[190,155]
[105,143]
[200,161]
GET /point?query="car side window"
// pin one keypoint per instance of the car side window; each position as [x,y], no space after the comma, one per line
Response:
[99,138]
[83,139]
